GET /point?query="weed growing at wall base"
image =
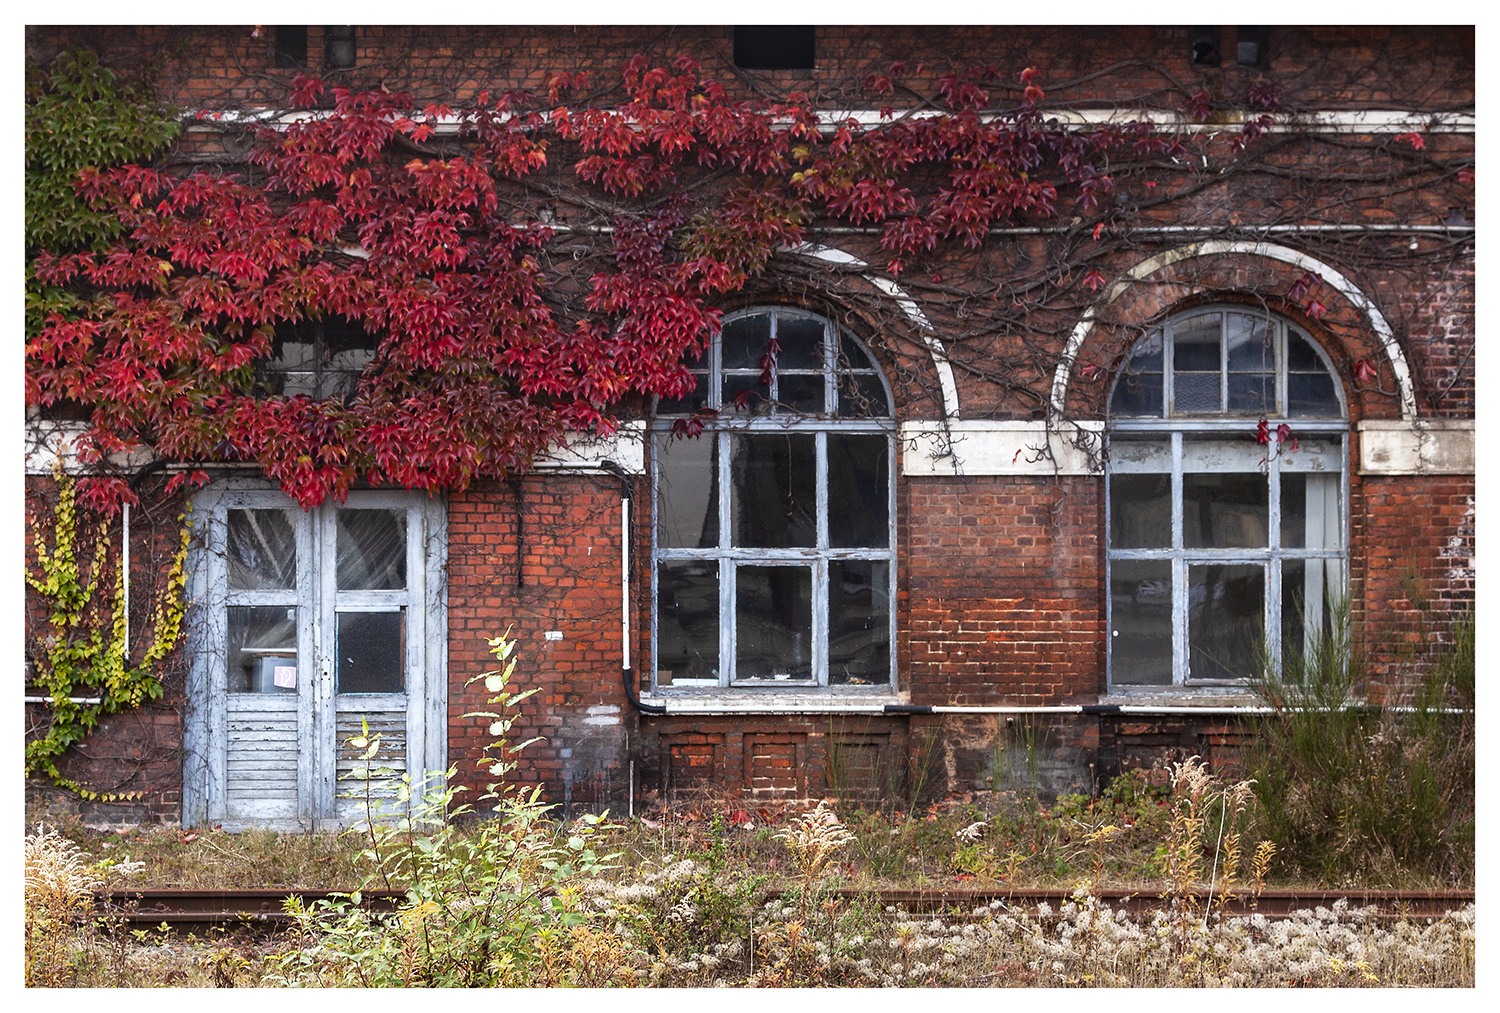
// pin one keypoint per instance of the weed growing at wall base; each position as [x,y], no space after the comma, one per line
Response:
[1351,794]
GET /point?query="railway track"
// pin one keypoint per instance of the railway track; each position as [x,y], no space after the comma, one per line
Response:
[264,910]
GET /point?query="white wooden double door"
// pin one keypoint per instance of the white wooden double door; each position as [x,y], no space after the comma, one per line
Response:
[308,627]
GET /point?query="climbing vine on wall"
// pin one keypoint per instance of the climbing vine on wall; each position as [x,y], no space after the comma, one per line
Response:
[80,653]
[78,116]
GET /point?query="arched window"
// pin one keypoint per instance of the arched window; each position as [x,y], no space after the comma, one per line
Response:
[1226,537]
[774,523]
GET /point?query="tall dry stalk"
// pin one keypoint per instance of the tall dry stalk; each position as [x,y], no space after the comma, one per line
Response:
[813,839]
[59,889]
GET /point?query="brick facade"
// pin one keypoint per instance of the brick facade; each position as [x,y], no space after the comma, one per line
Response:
[1001,591]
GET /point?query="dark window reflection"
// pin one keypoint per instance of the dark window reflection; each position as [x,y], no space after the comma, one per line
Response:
[1226,619]
[858,491]
[859,626]
[775,498]
[1140,592]
[371,652]
[773,623]
[687,621]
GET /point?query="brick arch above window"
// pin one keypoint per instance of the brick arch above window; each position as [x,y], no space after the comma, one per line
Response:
[1329,276]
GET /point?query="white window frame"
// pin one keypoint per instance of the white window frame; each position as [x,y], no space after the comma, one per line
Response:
[1158,445]
[318,708]
[723,429]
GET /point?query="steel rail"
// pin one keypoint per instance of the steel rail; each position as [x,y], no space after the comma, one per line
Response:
[265,909]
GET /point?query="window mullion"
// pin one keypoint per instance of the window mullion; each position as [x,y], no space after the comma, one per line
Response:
[820,566]
[726,566]
[1179,572]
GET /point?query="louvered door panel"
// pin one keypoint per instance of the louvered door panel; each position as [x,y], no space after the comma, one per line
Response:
[358,790]
[261,757]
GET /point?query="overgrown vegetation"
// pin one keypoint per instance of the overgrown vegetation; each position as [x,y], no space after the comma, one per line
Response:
[1353,794]
[81,653]
[78,116]
[706,895]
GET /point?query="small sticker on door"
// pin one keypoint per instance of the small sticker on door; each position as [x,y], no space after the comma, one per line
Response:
[285,676]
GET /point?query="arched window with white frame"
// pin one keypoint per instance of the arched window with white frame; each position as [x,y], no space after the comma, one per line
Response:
[1226,537]
[774,531]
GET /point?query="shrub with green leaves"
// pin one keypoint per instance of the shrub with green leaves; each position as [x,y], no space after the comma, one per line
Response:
[496,907]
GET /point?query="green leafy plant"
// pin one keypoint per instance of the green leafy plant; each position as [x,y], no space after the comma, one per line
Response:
[496,906]
[82,654]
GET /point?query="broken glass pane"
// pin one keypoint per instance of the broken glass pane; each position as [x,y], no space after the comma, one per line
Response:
[262,551]
[1140,594]
[1140,511]
[262,649]
[773,623]
[851,356]
[371,550]
[859,622]
[775,498]
[1251,345]
[687,622]
[371,652]
[1226,619]
[1226,510]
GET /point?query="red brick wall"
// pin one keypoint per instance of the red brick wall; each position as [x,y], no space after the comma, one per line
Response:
[1001,585]
[569,582]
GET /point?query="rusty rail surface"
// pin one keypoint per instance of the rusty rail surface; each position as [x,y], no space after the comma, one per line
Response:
[263,909]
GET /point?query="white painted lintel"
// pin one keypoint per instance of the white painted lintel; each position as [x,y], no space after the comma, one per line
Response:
[1420,447]
[983,447]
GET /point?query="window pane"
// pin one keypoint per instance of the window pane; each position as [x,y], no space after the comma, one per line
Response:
[746,340]
[371,652]
[1139,391]
[371,550]
[687,622]
[1195,392]
[1300,356]
[744,392]
[773,623]
[859,622]
[774,503]
[862,396]
[801,343]
[1311,395]
[1251,348]
[1138,394]
[689,402]
[1140,511]
[1140,640]
[802,392]
[1252,393]
[1226,619]
[1225,511]
[851,356]
[262,550]
[1195,344]
[1310,514]
[262,649]
[687,500]
[858,491]
[1308,589]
